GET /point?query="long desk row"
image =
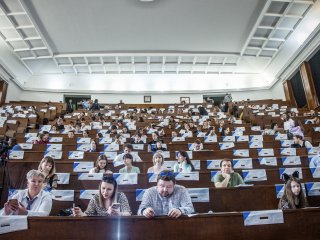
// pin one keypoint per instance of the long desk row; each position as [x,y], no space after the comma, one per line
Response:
[198,155]
[298,224]
[18,169]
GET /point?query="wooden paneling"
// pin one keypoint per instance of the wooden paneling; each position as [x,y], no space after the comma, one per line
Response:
[308,85]
[289,93]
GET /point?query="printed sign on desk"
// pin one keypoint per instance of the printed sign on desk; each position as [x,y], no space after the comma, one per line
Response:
[289,171]
[111,147]
[168,165]
[263,217]
[139,194]
[265,152]
[196,164]
[82,166]
[31,139]
[291,160]
[178,139]
[214,164]
[243,138]
[242,163]
[255,144]
[63,178]
[88,194]
[315,172]
[13,223]
[138,146]
[280,190]
[281,137]
[226,145]
[105,140]
[109,155]
[241,152]
[83,147]
[314,151]
[228,138]
[53,154]
[193,176]
[16,154]
[126,178]
[90,176]
[313,188]
[269,161]
[314,161]
[286,143]
[54,147]
[63,195]
[75,155]
[256,138]
[199,194]
[255,175]
[213,174]
[255,128]
[26,146]
[152,177]
[83,140]
[56,139]
[288,151]
[210,139]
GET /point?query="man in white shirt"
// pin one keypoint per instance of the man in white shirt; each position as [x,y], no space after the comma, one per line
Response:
[32,201]
[127,150]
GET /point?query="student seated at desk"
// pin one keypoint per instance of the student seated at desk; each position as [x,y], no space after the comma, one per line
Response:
[157,163]
[226,177]
[127,150]
[293,196]
[158,147]
[129,168]
[43,138]
[184,164]
[108,202]
[197,145]
[48,169]
[101,165]
[300,143]
[167,198]
[32,201]
[225,131]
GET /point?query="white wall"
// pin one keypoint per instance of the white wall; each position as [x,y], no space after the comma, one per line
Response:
[278,91]
[155,98]
[13,92]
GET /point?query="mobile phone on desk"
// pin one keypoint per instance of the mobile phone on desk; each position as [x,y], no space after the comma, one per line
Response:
[116,206]
[13,202]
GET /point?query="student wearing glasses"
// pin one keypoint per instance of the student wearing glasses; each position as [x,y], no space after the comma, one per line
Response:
[167,198]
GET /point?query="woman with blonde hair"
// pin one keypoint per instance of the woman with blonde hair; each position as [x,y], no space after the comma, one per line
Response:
[158,161]
[48,168]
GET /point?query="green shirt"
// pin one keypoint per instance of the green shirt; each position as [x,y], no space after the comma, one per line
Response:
[235,179]
[133,170]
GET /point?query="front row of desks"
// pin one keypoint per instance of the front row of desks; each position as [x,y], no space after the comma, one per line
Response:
[297,224]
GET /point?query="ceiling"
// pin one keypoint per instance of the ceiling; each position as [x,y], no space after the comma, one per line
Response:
[160,37]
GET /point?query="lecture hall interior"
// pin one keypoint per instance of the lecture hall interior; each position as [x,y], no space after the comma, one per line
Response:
[159,119]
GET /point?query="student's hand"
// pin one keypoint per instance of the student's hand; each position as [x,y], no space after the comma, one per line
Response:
[9,208]
[174,213]
[225,175]
[148,212]
[22,210]
[77,212]
[113,212]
